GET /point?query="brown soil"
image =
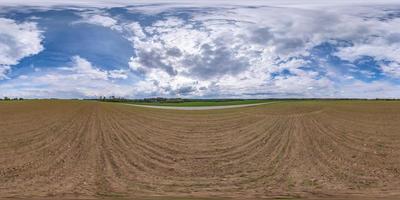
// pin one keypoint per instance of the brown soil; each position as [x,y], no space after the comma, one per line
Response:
[75,149]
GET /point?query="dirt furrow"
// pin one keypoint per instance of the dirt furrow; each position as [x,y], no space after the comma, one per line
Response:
[82,149]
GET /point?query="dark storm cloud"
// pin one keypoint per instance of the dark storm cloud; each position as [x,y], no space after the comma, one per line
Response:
[185,90]
[262,36]
[215,61]
[153,59]
[175,52]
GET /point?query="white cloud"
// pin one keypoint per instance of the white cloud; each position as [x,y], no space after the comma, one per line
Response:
[375,89]
[81,68]
[236,51]
[99,19]
[135,29]
[173,3]
[102,20]
[380,40]
[3,71]
[118,74]
[392,68]
[79,79]
[239,49]
[17,40]
[232,53]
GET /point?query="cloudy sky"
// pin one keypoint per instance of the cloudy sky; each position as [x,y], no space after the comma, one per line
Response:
[213,49]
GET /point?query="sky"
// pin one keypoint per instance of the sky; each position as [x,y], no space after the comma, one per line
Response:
[200,49]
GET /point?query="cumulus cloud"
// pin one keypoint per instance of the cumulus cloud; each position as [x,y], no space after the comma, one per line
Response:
[99,19]
[375,89]
[216,49]
[17,40]
[79,79]
[82,68]
[232,53]
[239,49]
[379,40]
[391,68]
[118,74]
[161,5]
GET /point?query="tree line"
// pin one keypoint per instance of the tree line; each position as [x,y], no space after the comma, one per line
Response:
[11,99]
[145,100]
[181,100]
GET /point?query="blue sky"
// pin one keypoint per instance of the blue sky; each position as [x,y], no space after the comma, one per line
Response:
[213,49]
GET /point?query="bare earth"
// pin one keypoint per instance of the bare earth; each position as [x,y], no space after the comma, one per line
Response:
[88,150]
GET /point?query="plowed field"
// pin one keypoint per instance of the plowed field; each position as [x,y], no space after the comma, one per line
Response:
[311,149]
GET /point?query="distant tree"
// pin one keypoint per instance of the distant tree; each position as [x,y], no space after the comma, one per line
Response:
[6,98]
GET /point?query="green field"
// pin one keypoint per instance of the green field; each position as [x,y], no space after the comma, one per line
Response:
[205,103]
